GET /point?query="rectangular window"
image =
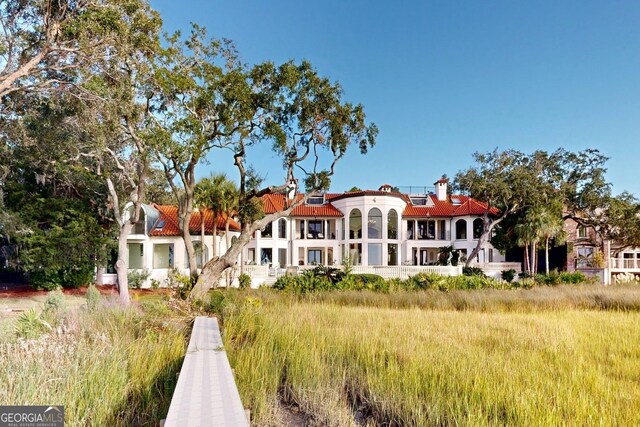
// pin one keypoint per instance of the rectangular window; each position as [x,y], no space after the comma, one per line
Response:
[163,255]
[266,256]
[584,258]
[355,253]
[410,231]
[251,255]
[315,230]
[426,229]
[582,232]
[375,253]
[343,229]
[442,229]
[392,256]
[314,257]
[302,228]
[282,257]
[268,230]
[136,256]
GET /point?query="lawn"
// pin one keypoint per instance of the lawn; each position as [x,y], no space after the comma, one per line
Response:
[534,361]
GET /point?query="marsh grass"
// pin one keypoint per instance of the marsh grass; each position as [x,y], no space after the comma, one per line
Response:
[562,356]
[107,366]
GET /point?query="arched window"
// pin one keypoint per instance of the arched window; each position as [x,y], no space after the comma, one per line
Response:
[140,226]
[478,226]
[392,224]
[461,229]
[355,224]
[374,224]
[282,228]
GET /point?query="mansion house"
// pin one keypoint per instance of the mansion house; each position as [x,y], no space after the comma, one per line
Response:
[370,228]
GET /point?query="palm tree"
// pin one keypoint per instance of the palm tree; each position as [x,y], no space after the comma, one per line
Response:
[526,235]
[549,226]
[215,193]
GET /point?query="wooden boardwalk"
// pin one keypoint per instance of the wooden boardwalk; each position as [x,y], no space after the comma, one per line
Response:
[206,393]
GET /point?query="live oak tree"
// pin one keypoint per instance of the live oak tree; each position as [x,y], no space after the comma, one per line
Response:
[507,182]
[198,95]
[310,128]
[89,57]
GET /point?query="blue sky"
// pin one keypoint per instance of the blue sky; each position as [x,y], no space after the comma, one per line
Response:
[442,79]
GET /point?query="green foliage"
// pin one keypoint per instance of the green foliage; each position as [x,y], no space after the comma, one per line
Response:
[137,278]
[155,284]
[575,277]
[179,282]
[508,275]
[55,302]
[93,298]
[30,324]
[244,281]
[334,275]
[473,271]
[217,302]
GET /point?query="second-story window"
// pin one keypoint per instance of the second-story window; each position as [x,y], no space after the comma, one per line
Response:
[268,230]
[282,228]
[478,226]
[374,224]
[392,224]
[582,232]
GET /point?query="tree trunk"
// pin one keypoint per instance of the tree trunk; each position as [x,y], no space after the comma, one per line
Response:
[188,244]
[122,265]
[100,275]
[527,264]
[546,255]
[203,258]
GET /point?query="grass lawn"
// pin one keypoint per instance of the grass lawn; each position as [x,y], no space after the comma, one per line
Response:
[527,363]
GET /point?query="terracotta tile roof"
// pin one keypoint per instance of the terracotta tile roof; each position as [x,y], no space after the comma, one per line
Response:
[446,208]
[439,208]
[275,202]
[169,214]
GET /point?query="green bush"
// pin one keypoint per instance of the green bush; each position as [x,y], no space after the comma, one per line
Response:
[473,271]
[334,275]
[306,282]
[573,278]
[93,298]
[30,325]
[55,302]
[551,279]
[244,281]
[137,278]
[508,275]
[217,302]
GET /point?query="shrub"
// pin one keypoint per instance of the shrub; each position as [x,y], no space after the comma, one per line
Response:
[74,277]
[524,283]
[508,275]
[45,279]
[307,282]
[30,324]
[244,281]
[573,278]
[473,271]
[155,284]
[137,278]
[551,279]
[93,298]
[217,302]
[284,282]
[55,302]
[180,283]
[334,275]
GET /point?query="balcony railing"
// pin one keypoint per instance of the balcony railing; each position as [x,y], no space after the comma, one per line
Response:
[624,263]
[446,235]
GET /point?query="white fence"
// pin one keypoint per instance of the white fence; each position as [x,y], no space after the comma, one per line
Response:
[404,272]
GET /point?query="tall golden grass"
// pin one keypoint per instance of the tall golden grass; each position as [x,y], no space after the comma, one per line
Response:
[110,367]
[535,362]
